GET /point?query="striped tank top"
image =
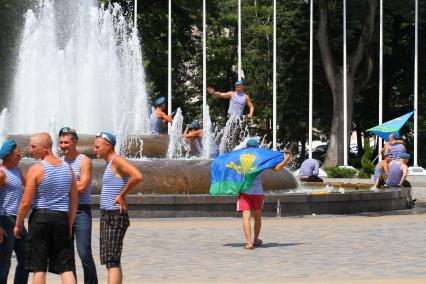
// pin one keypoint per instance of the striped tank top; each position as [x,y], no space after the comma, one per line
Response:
[237,104]
[396,151]
[85,197]
[53,192]
[154,123]
[395,174]
[378,171]
[112,186]
[11,193]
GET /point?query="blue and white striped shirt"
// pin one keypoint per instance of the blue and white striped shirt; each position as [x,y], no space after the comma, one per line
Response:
[85,197]
[112,186]
[53,192]
[11,193]
[395,174]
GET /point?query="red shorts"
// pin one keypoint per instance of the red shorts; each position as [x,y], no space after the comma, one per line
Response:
[250,202]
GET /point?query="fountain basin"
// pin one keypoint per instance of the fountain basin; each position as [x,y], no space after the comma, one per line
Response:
[166,176]
[204,205]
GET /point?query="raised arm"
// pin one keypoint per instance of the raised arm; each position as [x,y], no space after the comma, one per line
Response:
[124,168]
[165,117]
[215,93]
[251,106]
[34,177]
[283,163]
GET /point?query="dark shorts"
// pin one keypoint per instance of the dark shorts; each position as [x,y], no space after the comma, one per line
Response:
[113,227]
[49,246]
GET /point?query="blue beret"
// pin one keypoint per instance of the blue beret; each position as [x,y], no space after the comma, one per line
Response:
[404,156]
[396,135]
[238,83]
[159,101]
[195,125]
[252,143]
[68,130]
[107,137]
[7,148]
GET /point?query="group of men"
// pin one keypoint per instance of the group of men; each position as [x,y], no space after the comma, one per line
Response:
[59,193]
[391,171]
[193,133]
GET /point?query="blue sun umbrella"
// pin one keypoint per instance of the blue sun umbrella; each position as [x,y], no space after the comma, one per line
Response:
[383,130]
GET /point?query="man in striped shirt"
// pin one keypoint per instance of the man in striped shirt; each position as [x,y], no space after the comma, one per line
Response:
[119,178]
[12,184]
[52,192]
[82,228]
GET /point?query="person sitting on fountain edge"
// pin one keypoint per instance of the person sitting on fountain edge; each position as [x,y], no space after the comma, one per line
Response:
[394,146]
[252,200]
[381,170]
[194,134]
[158,117]
[118,179]
[398,171]
[237,99]
[309,171]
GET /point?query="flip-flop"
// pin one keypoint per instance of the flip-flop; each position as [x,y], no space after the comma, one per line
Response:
[257,243]
[247,246]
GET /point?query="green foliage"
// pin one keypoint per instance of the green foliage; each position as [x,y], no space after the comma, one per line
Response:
[337,172]
[367,167]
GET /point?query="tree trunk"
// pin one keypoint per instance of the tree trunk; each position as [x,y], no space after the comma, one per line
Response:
[334,75]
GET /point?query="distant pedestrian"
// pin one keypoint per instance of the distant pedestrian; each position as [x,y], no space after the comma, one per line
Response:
[82,228]
[118,179]
[52,192]
[252,200]
[309,171]
[12,183]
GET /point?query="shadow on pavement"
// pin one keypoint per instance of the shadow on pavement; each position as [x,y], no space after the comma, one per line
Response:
[264,245]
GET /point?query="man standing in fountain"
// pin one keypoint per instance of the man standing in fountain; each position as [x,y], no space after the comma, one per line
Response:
[252,200]
[194,134]
[12,184]
[158,117]
[237,100]
[52,191]
[118,179]
[82,228]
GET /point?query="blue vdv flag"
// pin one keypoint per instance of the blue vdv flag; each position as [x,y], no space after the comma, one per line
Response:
[394,125]
[234,172]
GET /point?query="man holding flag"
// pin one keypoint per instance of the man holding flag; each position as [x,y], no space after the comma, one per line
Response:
[239,172]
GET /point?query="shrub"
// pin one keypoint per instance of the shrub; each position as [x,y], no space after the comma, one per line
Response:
[337,172]
[367,168]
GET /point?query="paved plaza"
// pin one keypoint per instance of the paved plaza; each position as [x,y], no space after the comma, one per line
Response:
[365,248]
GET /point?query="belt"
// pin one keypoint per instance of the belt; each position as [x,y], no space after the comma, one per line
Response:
[49,211]
[84,207]
[115,212]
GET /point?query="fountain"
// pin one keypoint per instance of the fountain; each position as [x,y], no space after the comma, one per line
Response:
[80,65]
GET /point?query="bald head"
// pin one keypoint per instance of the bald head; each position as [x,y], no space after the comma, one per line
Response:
[42,139]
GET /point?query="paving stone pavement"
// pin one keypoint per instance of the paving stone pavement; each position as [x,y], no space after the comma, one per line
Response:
[366,248]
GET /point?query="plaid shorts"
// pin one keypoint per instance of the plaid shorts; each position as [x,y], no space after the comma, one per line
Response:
[113,227]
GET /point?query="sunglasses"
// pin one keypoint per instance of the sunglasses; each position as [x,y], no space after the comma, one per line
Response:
[105,137]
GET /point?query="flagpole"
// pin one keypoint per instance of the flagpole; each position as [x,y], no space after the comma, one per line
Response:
[311,57]
[239,39]
[204,59]
[274,81]
[169,67]
[380,79]
[345,92]
[416,34]
[135,14]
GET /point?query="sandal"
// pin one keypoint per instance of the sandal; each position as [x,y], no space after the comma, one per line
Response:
[257,243]
[248,246]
